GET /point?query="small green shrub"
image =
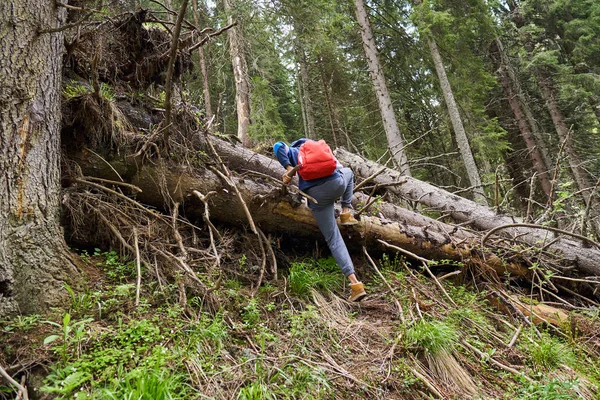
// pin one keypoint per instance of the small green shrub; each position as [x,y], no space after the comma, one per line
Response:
[74,89]
[555,389]
[251,313]
[432,337]
[116,270]
[548,353]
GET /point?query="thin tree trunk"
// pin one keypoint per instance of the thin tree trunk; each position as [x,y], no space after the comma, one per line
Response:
[34,262]
[302,105]
[459,129]
[394,137]
[311,130]
[573,159]
[171,67]
[515,105]
[328,104]
[240,73]
[203,71]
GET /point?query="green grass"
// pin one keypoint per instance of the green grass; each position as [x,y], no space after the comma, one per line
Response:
[432,337]
[323,275]
[548,353]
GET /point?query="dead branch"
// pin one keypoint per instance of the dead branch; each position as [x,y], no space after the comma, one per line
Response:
[110,182]
[211,35]
[286,186]
[176,233]
[493,361]
[370,203]
[228,179]
[400,310]
[586,214]
[515,337]
[70,7]
[267,240]
[21,389]
[425,263]
[263,266]
[548,228]
[138,267]
[67,26]
[369,179]
[212,230]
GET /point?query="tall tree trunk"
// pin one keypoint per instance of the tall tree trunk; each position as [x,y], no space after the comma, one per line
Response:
[203,70]
[328,104]
[457,125]
[34,261]
[306,99]
[240,73]
[394,137]
[301,101]
[579,174]
[505,72]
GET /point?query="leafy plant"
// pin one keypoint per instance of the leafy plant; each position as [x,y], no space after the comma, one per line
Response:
[554,389]
[64,381]
[21,322]
[115,269]
[70,333]
[251,313]
[157,385]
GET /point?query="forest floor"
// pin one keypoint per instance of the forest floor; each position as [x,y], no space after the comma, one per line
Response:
[294,338]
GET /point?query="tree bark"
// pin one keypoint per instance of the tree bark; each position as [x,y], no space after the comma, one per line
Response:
[34,261]
[276,211]
[480,217]
[240,73]
[203,71]
[579,174]
[394,137]
[328,104]
[457,125]
[505,74]
[305,98]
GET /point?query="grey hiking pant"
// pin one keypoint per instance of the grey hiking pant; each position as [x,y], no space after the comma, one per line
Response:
[326,194]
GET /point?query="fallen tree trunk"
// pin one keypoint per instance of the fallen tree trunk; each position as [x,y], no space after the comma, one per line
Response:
[574,254]
[274,210]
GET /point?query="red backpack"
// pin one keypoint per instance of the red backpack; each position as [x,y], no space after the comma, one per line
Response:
[316,160]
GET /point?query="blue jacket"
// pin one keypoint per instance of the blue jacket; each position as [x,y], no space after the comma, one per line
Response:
[288,155]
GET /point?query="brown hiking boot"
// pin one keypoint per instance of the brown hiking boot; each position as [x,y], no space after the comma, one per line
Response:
[358,292]
[347,219]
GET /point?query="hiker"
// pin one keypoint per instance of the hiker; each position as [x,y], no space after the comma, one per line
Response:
[322,177]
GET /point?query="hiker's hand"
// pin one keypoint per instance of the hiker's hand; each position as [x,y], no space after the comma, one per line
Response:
[286,178]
